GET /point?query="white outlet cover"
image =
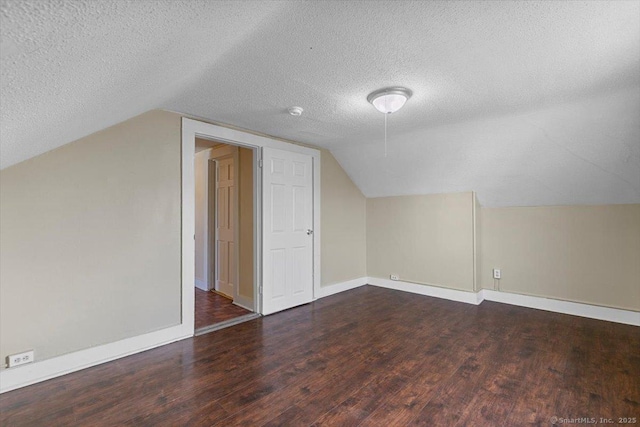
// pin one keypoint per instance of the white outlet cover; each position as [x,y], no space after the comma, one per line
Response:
[21,358]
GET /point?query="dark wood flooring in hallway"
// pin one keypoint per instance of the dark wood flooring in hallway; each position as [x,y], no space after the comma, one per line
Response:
[369,357]
[212,308]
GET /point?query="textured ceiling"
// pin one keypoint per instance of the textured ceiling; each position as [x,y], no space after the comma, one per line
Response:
[526,103]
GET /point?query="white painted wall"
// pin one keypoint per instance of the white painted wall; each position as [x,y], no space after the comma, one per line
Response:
[526,103]
[201,200]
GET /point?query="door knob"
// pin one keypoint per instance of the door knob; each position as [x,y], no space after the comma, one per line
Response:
[309,232]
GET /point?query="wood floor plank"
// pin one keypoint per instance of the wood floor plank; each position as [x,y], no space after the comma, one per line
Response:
[439,364]
[358,406]
[372,353]
[369,357]
[212,308]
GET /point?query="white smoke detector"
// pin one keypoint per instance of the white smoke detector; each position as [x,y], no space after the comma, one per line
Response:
[295,111]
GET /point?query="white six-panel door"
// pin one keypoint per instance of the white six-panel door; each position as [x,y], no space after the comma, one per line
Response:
[225,271]
[288,230]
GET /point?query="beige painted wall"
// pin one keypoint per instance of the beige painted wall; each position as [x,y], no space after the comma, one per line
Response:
[424,239]
[587,254]
[245,212]
[90,241]
[343,222]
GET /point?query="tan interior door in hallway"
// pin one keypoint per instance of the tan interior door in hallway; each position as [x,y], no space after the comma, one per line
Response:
[225,271]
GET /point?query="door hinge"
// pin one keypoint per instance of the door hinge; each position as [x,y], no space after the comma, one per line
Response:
[260,163]
[260,290]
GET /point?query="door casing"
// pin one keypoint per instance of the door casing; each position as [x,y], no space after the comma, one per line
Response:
[192,128]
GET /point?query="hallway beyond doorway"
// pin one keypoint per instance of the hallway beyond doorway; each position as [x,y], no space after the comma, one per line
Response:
[212,308]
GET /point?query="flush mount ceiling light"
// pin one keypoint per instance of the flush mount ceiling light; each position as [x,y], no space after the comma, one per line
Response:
[390,99]
[387,101]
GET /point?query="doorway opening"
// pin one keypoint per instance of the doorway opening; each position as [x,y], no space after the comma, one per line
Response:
[286,220]
[224,235]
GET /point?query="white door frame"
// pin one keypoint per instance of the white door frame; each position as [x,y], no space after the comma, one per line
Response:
[192,128]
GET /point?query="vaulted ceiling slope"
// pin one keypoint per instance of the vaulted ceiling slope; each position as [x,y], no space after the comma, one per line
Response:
[526,103]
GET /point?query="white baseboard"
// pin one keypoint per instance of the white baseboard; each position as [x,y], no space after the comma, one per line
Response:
[21,376]
[566,307]
[431,291]
[616,315]
[201,284]
[325,291]
[226,324]
[244,302]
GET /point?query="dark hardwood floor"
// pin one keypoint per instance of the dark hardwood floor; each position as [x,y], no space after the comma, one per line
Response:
[212,308]
[370,357]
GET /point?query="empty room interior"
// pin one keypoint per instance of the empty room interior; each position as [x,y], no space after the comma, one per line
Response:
[295,213]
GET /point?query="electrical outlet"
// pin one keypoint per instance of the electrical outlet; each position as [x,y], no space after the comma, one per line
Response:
[497,274]
[394,277]
[20,359]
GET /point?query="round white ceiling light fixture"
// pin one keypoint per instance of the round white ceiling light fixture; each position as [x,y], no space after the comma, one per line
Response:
[295,111]
[387,101]
[390,99]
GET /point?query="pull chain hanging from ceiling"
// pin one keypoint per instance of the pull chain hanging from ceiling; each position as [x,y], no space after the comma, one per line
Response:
[385,135]
[387,101]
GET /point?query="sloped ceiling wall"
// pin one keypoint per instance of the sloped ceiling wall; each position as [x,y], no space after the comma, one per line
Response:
[526,103]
